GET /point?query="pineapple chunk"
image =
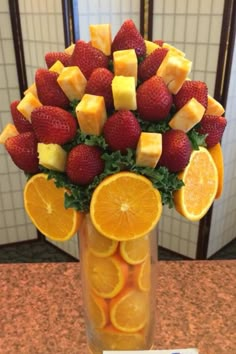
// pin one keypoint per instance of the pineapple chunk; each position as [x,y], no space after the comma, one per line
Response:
[124,92]
[173,50]
[52,156]
[57,67]
[8,132]
[149,149]
[174,70]
[69,50]
[72,82]
[150,46]
[28,104]
[214,107]
[33,89]
[126,63]
[91,114]
[100,36]
[188,116]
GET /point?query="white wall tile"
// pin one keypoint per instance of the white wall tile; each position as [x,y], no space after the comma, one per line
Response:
[169,6]
[192,6]
[218,6]
[168,28]
[215,29]
[3,80]
[203,28]
[201,56]
[205,6]
[8,51]
[191,28]
[179,33]
[181,6]
[5,26]
[11,75]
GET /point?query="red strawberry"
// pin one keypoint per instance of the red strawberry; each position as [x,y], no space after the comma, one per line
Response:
[88,58]
[23,151]
[84,162]
[53,125]
[159,42]
[151,63]
[176,150]
[122,131]
[99,84]
[214,127]
[21,123]
[48,89]
[190,89]
[52,57]
[128,37]
[153,99]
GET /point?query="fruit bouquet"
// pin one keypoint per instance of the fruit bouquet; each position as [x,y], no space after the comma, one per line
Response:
[110,132]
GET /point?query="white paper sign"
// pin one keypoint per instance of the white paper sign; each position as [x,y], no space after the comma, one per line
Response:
[169,351]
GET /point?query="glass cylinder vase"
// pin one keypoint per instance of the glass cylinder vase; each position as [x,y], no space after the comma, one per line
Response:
[118,289]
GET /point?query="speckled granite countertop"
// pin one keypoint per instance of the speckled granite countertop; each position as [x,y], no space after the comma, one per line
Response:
[41,311]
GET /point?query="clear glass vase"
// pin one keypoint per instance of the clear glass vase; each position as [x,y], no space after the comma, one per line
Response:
[118,289]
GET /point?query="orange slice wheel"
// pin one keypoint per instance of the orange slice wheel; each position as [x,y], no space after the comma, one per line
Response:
[200,179]
[106,276]
[125,206]
[44,203]
[135,251]
[98,244]
[217,155]
[128,310]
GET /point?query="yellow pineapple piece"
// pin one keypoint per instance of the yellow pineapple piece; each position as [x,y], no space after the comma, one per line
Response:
[125,63]
[173,50]
[174,70]
[100,36]
[124,92]
[69,50]
[91,114]
[52,156]
[188,116]
[150,46]
[149,149]
[214,107]
[72,82]
[28,104]
[33,89]
[8,132]
[57,67]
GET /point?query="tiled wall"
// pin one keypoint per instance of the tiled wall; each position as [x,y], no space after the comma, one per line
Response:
[106,11]
[14,224]
[42,32]
[193,26]
[224,213]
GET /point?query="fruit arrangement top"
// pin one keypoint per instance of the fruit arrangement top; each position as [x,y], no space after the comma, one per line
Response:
[111,105]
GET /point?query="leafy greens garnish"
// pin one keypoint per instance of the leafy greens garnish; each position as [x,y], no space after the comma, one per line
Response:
[79,197]
[196,139]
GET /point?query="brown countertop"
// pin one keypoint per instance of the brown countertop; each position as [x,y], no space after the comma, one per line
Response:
[41,311]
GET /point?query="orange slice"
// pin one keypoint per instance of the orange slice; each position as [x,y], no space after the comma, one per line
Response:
[135,251]
[217,155]
[98,244]
[112,339]
[44,203]
[142,275]
[200,179]
[125,206]
[106,276]
[128,310]
[97,311]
